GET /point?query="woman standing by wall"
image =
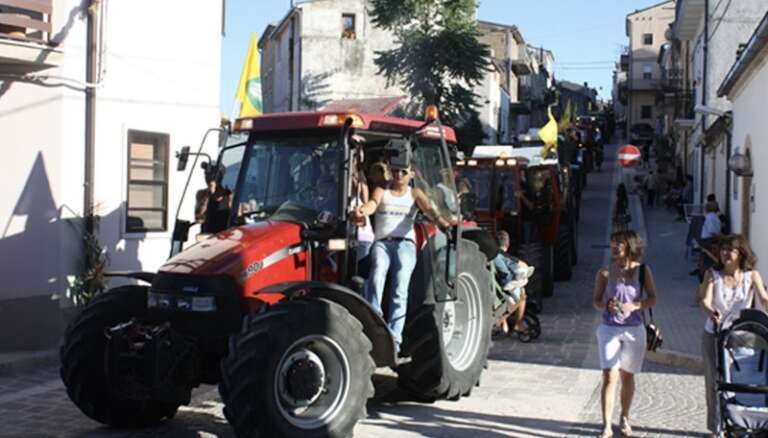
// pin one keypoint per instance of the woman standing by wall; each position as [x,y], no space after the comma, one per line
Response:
[621,336]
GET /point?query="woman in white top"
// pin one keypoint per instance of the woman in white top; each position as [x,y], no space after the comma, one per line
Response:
[727,289]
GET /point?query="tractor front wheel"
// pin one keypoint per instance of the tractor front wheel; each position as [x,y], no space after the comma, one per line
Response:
[302,369]
[83,356]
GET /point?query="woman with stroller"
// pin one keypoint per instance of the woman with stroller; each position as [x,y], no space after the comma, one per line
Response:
[621,336]
[728,288]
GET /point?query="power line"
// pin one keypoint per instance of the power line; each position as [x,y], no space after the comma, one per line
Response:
[586,62]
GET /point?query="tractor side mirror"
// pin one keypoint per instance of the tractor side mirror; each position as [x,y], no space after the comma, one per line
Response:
[183,157]
[468,204]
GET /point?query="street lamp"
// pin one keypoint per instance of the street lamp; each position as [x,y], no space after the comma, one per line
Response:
[740,164]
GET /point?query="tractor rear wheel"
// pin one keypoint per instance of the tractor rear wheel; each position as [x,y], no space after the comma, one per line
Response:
[564,253]
[83,357]
[448,342]
[302,369]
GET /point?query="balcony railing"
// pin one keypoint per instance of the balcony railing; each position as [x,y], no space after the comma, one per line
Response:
[672,79]
[684,105]
[28,20]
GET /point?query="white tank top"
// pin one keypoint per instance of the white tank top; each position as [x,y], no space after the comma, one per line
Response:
[395,216]
[730,301]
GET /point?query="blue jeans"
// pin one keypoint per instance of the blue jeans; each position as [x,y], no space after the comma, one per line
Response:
[394,260]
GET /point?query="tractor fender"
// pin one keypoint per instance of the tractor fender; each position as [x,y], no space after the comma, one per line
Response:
[146,277]
[383,351]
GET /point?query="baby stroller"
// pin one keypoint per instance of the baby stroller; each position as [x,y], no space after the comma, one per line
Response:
[742,366]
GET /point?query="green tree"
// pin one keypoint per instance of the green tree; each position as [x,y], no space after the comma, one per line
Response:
[438,59]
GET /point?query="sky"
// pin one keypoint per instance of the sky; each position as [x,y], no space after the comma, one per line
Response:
[585,36]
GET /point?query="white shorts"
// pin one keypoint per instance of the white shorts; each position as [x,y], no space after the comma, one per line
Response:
[621,347]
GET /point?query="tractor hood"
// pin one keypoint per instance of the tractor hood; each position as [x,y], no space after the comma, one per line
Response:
[239,252]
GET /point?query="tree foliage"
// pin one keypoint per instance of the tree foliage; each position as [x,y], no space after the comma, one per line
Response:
[438,59]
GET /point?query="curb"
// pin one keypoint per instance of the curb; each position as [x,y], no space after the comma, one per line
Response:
[22,362]
[675,359]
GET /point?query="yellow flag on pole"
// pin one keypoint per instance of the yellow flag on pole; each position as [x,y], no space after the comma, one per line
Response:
[249,88]
[548,134]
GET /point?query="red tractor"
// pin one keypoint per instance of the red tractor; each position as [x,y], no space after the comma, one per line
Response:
[270,309]
[527,196]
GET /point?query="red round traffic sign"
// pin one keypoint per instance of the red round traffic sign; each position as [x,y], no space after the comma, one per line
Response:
[629,155]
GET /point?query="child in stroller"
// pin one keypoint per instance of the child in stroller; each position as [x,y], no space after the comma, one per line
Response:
[742,372]
[510,277]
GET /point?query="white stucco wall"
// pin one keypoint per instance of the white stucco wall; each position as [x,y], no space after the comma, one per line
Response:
[731,24]
[42,172]
[162,75]
[163,81]
[751,132]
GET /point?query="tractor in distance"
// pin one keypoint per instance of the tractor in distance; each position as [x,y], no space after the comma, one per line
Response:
[519,192]
[269,307]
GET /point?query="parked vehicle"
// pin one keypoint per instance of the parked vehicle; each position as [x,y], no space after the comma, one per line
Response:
[270,307]
[544,233]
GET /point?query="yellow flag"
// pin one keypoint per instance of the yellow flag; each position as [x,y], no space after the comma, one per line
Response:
[249,89]
[565,120]
[548,134]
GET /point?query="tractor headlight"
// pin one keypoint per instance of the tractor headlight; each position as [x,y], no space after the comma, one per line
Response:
[161,301]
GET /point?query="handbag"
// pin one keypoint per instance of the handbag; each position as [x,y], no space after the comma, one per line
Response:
[653,336]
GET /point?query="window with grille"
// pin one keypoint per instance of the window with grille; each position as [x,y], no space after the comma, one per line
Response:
[647,71]
[648,39]
[646,112]
[348,26]
[147,204]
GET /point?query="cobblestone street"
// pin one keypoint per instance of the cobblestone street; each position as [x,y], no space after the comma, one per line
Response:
[547,388]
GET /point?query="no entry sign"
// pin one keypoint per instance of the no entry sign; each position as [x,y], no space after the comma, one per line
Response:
[629,155]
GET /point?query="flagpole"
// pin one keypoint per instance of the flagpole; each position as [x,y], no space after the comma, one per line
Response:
[234,107]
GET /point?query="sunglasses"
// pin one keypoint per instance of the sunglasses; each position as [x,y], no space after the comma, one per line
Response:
[400,172]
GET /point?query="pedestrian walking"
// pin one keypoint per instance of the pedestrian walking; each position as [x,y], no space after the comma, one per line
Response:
[651,186]
[621,337]
[728,288]
[621,216]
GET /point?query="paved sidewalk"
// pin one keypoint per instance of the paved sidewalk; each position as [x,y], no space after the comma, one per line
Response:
[676,312]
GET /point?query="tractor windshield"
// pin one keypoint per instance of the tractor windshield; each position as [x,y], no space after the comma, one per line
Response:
[480,182]
[294,179]
[507,184]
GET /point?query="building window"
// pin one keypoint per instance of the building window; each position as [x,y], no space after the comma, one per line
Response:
[648,39]
[646,112]
[147,206]
[648,71]
[348,26]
